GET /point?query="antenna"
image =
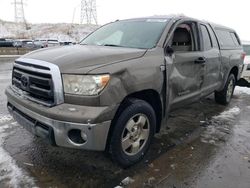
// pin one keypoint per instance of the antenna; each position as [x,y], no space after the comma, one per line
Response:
[88,12]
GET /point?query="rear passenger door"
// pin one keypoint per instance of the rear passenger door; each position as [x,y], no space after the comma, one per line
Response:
[211,54]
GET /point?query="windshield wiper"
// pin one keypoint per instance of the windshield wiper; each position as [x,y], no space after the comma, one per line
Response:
[114,45]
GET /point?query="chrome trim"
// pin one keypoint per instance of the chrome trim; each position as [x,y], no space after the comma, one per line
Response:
[25,95]
[54,71]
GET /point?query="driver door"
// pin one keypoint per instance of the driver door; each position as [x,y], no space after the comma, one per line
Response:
[185,67]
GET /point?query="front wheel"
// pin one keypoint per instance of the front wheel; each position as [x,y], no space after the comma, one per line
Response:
[133,132]
[224,96]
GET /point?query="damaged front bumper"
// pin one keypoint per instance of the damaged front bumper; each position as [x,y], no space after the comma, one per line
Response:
[59,131]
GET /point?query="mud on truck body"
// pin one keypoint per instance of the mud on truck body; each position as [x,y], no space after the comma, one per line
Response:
[114,90]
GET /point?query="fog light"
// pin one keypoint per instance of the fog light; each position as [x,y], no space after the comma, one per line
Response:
[77,136]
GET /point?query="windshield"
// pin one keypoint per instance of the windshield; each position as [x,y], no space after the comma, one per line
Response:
[246,49]
[132,34]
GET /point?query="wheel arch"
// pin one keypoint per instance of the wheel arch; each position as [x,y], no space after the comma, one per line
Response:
[150,96]
[235,72]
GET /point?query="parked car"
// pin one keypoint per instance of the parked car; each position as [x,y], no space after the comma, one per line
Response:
[24,43]
[28,43]
[114,90]
[17,43]
[53,42]
[246,68]
[40,43]
[44,42]
[6,42]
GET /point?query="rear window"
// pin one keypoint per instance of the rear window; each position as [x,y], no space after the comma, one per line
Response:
[246,49]
[227,39]
[235,39]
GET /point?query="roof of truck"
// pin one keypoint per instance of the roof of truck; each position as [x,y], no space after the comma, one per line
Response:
[170,16]
[214,25]
[180,16]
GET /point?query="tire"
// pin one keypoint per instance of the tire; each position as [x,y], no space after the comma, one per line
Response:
[224,97]
[132,133]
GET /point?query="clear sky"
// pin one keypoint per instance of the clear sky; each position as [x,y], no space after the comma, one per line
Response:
[234,14]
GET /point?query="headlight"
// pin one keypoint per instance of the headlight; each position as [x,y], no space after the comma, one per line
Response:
[84,84]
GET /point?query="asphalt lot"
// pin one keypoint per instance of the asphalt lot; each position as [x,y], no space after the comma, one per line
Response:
[205,145]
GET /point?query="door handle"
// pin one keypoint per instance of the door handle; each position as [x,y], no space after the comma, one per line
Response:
[200,60]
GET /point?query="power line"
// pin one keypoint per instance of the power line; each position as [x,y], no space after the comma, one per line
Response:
[88,12]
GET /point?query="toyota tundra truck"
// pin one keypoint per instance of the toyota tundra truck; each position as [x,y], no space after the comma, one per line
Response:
[114,90]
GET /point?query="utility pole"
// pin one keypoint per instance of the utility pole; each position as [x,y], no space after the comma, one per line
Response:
[19,13]
[88,12]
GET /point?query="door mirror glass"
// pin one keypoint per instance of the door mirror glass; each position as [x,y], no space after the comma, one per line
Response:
[169,50]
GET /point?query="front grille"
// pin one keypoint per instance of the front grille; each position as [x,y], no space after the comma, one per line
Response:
[37,85]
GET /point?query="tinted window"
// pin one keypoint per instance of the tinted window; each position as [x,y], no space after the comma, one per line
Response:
[246,49]
[225,38]
[206,38]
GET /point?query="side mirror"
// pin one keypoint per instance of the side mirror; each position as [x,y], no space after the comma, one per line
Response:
[169,50]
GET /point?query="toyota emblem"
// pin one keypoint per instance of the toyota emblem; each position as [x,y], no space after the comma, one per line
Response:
[24,81]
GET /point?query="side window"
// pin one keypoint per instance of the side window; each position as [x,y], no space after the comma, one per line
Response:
[207,43]
[213,37]
[185,37]
[226,39]
[235,39]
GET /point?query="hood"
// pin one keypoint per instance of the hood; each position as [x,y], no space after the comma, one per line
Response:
[84,58]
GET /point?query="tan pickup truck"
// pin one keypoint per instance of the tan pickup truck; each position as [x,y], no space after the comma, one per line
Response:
[114,90]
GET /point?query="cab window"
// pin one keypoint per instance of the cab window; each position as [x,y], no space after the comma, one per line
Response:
[185,38]
[207,43]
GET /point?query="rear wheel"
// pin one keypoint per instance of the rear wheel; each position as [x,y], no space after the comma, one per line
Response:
[224,96]
[133,132]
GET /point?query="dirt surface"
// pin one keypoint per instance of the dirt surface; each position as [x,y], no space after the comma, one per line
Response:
[205,145]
